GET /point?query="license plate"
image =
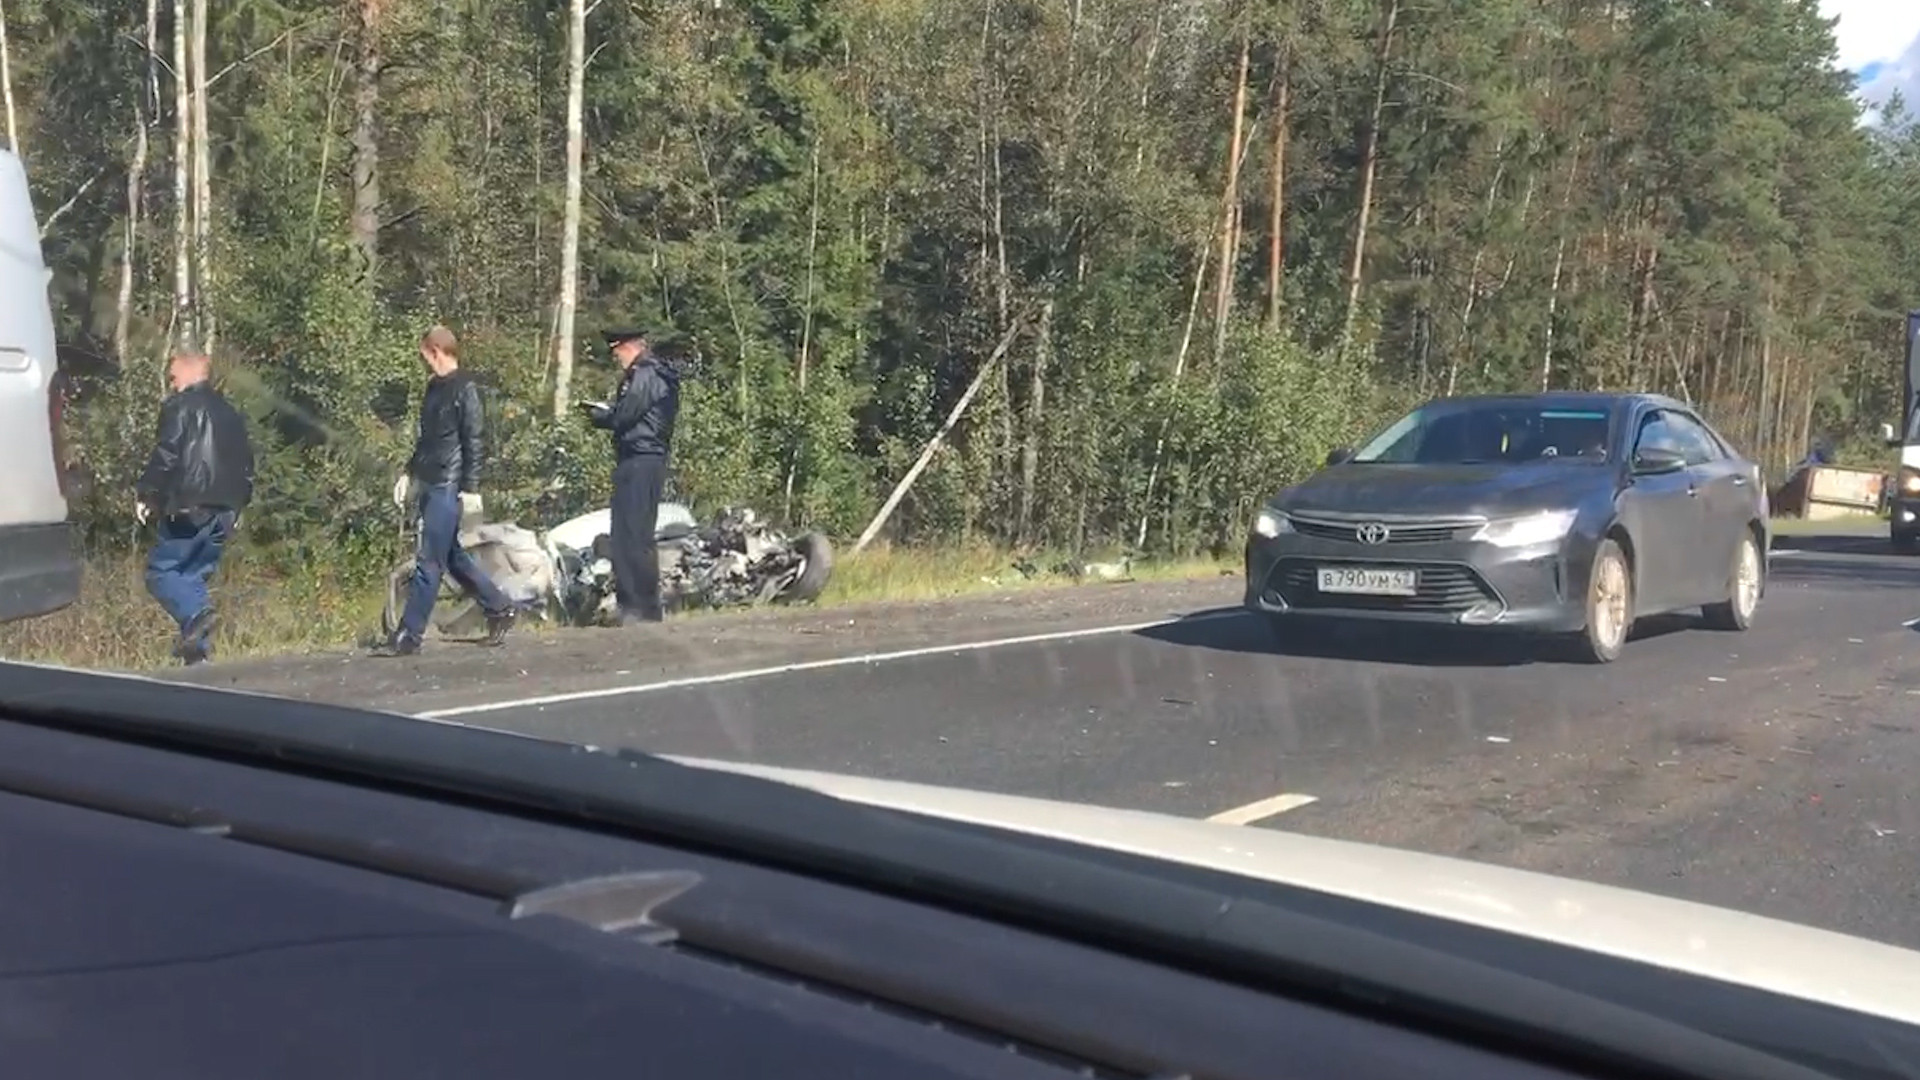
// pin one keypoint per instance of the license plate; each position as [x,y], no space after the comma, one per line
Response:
[1368,581]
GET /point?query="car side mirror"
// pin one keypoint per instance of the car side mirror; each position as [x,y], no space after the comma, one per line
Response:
[1339,456]
[1886,432]
[1657,462]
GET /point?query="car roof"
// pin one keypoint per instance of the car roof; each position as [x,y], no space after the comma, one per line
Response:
[1591,399]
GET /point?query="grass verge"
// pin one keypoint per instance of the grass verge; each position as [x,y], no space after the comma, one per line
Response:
[116,626]
[265,611]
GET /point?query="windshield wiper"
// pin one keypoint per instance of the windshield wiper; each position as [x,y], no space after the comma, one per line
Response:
[919,858]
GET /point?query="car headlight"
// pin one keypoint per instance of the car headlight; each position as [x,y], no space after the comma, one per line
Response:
[1542,528]
[1269,523]
[1909,480]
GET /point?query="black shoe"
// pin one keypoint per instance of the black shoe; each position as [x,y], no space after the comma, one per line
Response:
[498,625]
[192,644]
[399,645]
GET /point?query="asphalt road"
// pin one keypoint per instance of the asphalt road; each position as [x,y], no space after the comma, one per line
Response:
[1772,771]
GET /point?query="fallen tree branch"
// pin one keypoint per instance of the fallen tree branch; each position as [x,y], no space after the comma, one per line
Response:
[74,199]
[953,417]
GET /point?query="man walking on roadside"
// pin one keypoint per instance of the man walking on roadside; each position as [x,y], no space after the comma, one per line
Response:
[196,484]
[640,419]
[443,481]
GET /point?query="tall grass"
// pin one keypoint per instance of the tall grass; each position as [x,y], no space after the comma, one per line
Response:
[269,610]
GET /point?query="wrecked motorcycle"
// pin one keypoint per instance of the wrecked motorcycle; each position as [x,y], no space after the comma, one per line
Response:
[566,575]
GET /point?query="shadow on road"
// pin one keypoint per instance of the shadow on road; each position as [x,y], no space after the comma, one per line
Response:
[1837,543]
[1420,646]
[1847,573]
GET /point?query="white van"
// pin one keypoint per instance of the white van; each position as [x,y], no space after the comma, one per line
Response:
[39,559]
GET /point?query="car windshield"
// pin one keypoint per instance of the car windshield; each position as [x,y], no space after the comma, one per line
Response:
[1480,433]
[1313,418]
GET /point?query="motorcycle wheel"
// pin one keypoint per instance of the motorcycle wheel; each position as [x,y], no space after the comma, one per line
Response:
[396,599]
[816,566]
[445,612]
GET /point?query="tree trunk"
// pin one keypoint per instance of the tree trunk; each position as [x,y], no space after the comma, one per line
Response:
[1559,267]
[1553,312]
[1369,164]
[1230,202]
[185,333]
[136,193]
[926,454]
[1036,412]
[202,184]
[570,237]
[364,223]
[6,86]
[1277,187]
[806,321]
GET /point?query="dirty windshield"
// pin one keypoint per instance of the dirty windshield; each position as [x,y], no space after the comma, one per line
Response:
[1448,428]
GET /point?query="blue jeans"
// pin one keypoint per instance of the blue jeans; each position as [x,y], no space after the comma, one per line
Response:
[440,554]
[179,565]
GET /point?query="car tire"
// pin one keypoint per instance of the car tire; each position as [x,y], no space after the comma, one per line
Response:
[1747,578]
[806,588]
[1609,606]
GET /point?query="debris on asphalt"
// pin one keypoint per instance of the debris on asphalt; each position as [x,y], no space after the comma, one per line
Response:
[1716,678]
[1498,738]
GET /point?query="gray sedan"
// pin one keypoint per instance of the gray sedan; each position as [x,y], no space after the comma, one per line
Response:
[1562,513]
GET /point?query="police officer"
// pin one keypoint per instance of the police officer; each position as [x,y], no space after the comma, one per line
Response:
[640,419]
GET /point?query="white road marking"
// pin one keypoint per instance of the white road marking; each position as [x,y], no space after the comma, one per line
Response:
[1260,811]
[816,665]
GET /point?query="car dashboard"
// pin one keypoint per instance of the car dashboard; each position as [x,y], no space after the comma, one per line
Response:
[175,914]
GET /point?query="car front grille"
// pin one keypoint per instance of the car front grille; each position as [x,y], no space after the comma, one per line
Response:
[1411,532]
[1441,588]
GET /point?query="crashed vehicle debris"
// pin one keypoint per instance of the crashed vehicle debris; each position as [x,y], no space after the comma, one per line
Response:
[566,575]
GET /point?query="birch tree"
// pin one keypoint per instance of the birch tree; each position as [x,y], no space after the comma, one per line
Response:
[185,330]
[6,84]
[145,107]
[202,184]
[570,236]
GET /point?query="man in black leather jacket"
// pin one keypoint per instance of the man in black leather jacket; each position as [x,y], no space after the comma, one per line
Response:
[640,419]
[196,484]
[443,480]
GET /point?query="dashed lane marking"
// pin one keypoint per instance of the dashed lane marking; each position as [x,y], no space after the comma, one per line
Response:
[1262,810]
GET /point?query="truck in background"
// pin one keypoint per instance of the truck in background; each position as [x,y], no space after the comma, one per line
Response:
[1904,502]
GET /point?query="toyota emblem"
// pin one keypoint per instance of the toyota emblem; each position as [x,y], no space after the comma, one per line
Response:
[1373,532]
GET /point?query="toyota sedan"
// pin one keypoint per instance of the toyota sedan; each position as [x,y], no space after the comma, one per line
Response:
[1564,513]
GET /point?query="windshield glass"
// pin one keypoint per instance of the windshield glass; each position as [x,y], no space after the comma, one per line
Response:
[1451,433]
[944,391]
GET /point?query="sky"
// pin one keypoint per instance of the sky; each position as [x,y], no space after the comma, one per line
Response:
[1880,41]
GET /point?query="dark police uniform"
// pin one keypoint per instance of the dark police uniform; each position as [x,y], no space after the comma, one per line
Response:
[640,419]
